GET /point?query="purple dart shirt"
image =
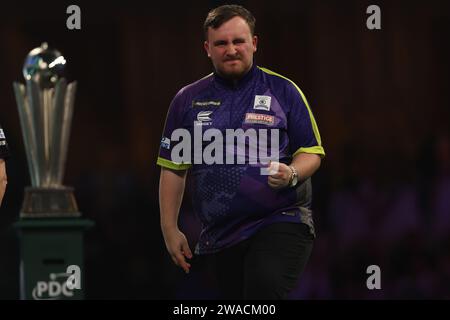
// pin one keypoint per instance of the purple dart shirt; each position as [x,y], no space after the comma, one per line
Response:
[231,199]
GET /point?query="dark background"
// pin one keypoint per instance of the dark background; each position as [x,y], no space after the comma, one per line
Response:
[381,100]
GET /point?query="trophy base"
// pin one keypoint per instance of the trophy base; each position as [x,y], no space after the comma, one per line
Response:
[49,203]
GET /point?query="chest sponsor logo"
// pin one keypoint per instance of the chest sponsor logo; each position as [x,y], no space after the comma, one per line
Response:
[2,134]
[259,118]
[262,103]
[201,104]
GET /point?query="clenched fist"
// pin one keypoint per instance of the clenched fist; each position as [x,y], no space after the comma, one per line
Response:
[280,175]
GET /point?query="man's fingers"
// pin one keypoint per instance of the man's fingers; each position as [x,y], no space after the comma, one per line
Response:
[275,183]
[186,250]
[174,259]
[178,258]
[182,263]
[272,184]
[277,175]
[274,168]
[275,179]
[179,250]
[272,181]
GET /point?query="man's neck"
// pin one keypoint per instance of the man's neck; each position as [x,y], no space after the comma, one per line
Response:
[235,80]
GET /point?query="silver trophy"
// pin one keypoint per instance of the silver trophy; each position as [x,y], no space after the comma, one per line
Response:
[45,109]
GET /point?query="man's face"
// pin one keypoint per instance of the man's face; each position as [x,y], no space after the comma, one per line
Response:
[231,48]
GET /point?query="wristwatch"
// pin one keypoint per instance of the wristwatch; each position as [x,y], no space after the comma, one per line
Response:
[293,180]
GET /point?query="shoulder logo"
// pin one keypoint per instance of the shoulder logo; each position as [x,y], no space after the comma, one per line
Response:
[262,103]
[165,143]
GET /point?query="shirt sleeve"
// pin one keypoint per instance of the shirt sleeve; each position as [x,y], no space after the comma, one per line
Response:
[4,150]
[303,132]
[174,120]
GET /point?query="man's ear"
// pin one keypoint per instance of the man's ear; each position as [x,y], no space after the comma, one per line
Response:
[255,43]
[206,46]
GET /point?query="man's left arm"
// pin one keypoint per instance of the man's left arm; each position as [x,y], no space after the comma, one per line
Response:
[305,143]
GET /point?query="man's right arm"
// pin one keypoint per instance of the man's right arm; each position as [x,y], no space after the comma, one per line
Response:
[171,190]
[3,179]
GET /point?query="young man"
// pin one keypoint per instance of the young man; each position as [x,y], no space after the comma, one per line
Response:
[3,155]
[257,230]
